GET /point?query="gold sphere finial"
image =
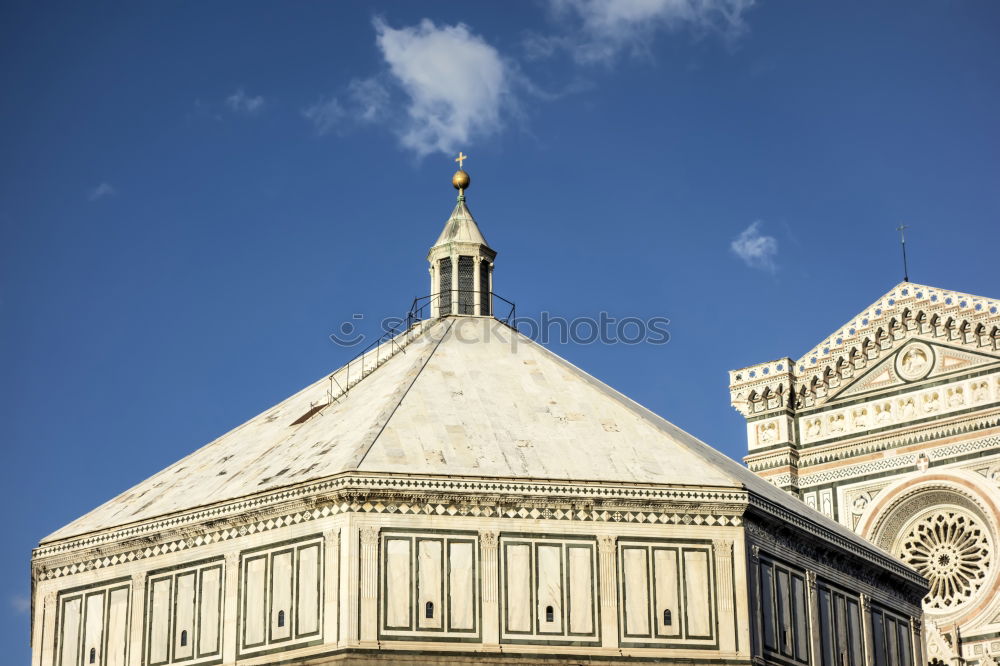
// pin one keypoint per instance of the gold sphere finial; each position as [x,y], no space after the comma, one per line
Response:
[461,179]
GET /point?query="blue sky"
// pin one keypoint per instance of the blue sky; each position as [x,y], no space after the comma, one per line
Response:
[195,195]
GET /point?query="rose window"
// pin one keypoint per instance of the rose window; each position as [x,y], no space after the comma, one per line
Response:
[952,551]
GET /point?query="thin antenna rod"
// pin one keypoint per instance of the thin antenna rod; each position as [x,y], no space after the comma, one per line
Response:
[902,241]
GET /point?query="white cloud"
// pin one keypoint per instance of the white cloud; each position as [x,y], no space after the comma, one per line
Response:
[102,191]
[240,102]
[457,84]
[755,249]
[370,99]
[605,28]
[326,115]
[20,604]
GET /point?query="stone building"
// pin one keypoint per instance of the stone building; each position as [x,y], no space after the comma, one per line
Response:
[458,494]
[891,426]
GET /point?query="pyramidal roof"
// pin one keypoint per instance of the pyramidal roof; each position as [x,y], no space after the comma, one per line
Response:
[461,227]
[458,397]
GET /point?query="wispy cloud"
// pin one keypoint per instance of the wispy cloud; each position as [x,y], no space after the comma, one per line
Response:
[240,102]
[102,191]
[20,604]
[457,85]
[756,249]
[364,101]
[598,31]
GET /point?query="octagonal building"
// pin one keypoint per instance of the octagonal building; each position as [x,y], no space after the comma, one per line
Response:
[459,494]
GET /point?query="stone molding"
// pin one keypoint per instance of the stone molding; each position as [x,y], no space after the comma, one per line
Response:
[709,508]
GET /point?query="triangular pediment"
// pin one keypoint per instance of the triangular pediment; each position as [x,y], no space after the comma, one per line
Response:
[916,361]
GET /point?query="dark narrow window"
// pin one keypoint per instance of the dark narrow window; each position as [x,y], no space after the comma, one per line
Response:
[93,655]
[444,286]
[466,286]
[827,632]
[891,649]
[878,637]
[800,632]
[429,609]
[854,629]
[783,613]
[184,638]
[767,604]
[281,618]
[905,658]
[550,615]
[484,287]
[666,617]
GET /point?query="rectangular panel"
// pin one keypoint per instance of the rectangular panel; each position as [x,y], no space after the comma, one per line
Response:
[891,648]
[184,616]
[878,637]
[398,592]
[281,595]
[666,586]
[255,597]
[93,627]
[854,629]
[635,575]
[117,638]
[767,605]
[517,588]
[826,628]
[905,656]
[69,633]
[159,615]
[783,611]
[800,635]
[549,589]
[581,590]
[208,611]
[461,586]
[429,569]
[307,594]
[697,594]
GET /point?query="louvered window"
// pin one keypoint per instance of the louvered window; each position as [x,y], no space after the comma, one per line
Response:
[444,286]
[484,287]
[466,286]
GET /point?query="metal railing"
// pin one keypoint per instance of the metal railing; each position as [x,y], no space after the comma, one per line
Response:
[395,340]
[423,306]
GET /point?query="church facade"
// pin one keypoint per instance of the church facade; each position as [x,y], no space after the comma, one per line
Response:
[891,426]
[459,494]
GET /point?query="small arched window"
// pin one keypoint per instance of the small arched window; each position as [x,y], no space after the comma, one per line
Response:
[281,618]
[93,655]
[550,615]
[429,609]
[184,638]
[666,617]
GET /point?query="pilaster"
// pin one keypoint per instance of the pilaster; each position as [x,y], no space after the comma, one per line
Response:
[230,612]
[917,640]
[757,613]
[606,546]
[488,555]
[350,557]
[137,617]
[331,585]
[369,586]
[866,629]
[44,641]
[814,629]
[722,549]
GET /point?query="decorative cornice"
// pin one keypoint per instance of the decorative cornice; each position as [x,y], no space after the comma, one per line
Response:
[351,485]
[689,507]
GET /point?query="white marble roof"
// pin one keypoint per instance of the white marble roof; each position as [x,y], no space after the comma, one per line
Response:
[467,397]
[461,227]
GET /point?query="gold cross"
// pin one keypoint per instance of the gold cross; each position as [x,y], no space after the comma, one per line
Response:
[461,158]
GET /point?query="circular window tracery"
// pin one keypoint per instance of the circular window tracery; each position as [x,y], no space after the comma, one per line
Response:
[951,548]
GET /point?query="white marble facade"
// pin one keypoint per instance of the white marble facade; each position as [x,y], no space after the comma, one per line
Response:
[891,426]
